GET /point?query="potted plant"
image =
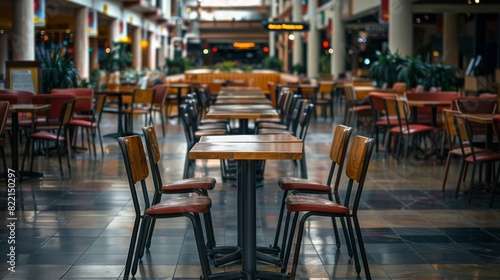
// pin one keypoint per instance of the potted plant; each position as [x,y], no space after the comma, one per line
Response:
[298,69]
[272,63]
[324,68]
[58,70]
[385,69]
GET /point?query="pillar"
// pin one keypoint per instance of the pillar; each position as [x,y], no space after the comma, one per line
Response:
[337,59]
[162,52]
[152,51]
[94,55]
[81,42]
[3,52]
[23,30]
[114,32]
[272,34]
[312,42]
[401,27]
[297,51]
[450,39]
[136,49]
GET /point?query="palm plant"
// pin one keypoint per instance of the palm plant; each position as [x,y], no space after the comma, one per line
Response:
[385,69]
[413,71]
[58,70]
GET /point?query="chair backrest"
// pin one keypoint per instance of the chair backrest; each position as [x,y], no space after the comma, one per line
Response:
[449,125]
[136,166]
[350,95]
[475,105]
[154,157]
[338,149]
[464,133]
[496,125]
[160,94]
[399,86]
[325,87]
[143,97]
[11,98]
[4,113]
[24,97]
[397,108]
[357,167]
[304,121]
[84,98]
[99,101]
[187,124]
[56,101]
[294,120]
[377,101]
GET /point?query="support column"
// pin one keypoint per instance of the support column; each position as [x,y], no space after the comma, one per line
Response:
[94,55]
[272,34]
[3,52]
[23,30]
[81,42]
[136,49]
[152,51]
[114,32]
[312,42]
[337,59]
[297,43]
[401,27]
[161,53]
[450,39]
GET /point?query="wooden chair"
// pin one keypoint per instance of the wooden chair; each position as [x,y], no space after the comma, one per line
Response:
[354,107]
[142,104]
[60,138]
[406,131]
[476,158]
[159,104]
[356,169]
[145,212]
[295,185]
[380,122]
[200,186]
[92,126]
[325,98]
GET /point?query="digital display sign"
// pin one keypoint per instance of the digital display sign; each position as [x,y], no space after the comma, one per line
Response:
[286,26]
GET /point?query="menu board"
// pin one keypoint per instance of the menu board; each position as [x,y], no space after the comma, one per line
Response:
[23,80]
[24,75]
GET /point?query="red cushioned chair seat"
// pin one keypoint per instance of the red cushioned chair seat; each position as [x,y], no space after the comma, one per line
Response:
[44,135]
[293,183]
[484,156]
[195,204]
[191,183]
[296,203]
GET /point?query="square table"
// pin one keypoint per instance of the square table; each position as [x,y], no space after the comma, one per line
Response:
[247,153]
[15,109]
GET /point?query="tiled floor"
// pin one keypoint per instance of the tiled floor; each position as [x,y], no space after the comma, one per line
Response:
[79,228]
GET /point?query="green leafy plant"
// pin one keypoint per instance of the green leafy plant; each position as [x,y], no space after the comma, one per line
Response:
[58,70]
[177,65]
[385,69]
[272,63]
[324,64]
[440,75]
[298,68]
[226,66]
[413,71]
[119,58]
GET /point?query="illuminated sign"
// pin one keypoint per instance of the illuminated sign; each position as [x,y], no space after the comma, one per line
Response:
[286,26]
[243,45]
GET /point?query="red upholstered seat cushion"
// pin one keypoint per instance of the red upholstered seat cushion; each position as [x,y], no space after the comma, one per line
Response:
[83,123]
[296,203]
[194,204]
[44,135]
[484,157]
[190,184]
[294,183]
[413,128]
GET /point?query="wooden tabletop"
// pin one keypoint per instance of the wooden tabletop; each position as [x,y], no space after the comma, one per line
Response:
[277,138]
[242,101]
[247,150]
[33,108]
[424,103]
